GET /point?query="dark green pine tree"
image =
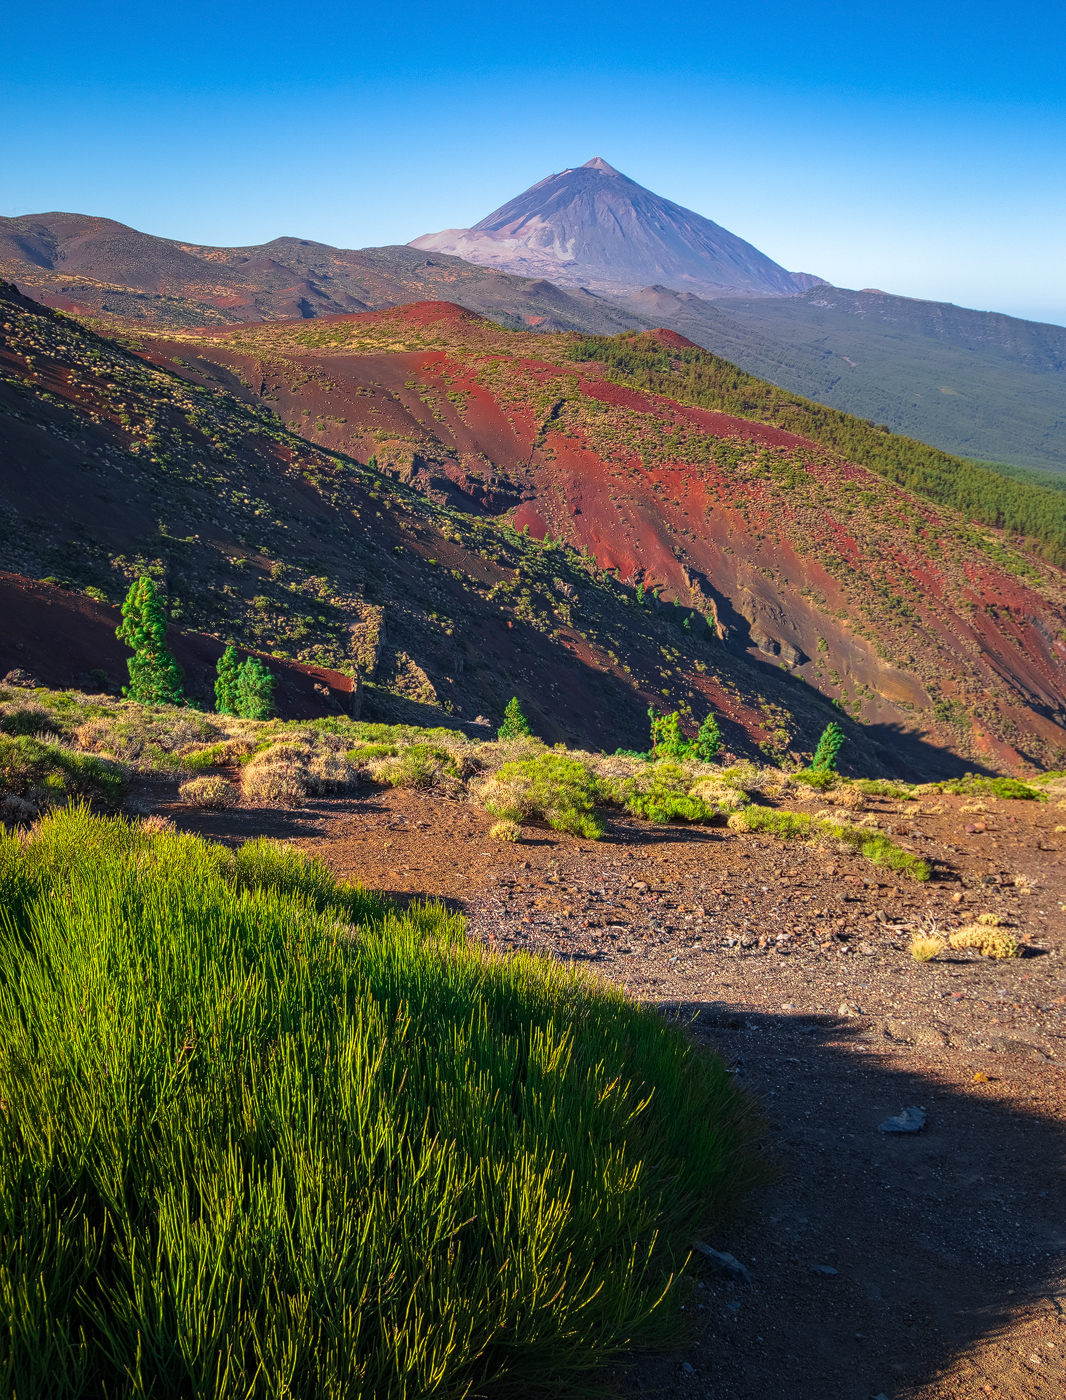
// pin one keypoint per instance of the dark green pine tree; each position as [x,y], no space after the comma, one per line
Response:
[515,725]
[227,672]
[255,690]
[825,755]
[155,677]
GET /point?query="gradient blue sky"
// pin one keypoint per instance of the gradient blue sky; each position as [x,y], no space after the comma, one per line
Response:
[916,147]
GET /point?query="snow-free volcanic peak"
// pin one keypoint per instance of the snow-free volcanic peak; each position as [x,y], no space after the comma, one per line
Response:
[594,227]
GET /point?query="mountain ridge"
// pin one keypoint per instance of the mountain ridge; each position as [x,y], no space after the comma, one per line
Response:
[975,384]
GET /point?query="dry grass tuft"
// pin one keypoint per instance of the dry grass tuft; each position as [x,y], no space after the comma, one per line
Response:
[924,947]
[278,784]
[156,825]
[212,794]
[847,795]
[989,942]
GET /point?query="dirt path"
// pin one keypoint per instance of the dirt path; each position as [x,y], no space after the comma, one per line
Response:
[940,1254]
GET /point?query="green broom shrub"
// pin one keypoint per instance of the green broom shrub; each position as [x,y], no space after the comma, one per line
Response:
[263,1135]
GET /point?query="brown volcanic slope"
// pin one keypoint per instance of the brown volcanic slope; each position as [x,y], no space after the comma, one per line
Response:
[100,268]
[897,610]
[801,573]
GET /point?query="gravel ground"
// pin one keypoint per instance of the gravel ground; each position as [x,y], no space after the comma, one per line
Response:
[940,1255]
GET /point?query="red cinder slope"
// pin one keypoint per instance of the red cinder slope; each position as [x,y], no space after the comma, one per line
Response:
[896,609]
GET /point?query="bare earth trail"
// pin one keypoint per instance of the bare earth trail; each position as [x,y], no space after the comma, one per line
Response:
[948,1246]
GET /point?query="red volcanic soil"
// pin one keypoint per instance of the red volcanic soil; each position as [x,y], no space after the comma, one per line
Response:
[62,638]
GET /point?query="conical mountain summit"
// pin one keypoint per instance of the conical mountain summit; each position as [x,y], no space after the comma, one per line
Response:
[592,226]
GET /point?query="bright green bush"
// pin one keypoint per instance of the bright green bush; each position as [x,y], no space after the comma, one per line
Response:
[995,787]
[48,773]
[249,1150]
[819,778]
[558,789]
[210,756]
[662,795]
[882,787]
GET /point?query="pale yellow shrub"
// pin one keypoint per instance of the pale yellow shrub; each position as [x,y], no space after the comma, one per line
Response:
[212,794]
[848,796]
[505,831]
[721,795]
[989,942]
[509,795]
[279,784]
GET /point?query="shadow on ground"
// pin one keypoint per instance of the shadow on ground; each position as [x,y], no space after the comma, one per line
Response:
[940,1241]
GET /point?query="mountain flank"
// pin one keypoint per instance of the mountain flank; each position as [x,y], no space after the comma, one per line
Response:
[974,383]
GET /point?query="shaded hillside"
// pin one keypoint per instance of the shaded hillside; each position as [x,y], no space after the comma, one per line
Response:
[974,383]
[98,267]
[594,227]
[110,466]
[65,639]
[782,551]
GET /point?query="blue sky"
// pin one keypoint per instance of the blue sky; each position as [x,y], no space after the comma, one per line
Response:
[920,148]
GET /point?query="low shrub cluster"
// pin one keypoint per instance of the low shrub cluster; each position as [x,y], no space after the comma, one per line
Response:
[149,739]
[416,766]
[990,942]
[213,794]
[41,774]
[662,794]
[29,718]
[558,789]
[293,765]
[1014,788]
[871,844]
[264,1135]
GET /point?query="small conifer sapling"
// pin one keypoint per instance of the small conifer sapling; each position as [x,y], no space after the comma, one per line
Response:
[227,672]
[515,725]
[825,755]
[155,676]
